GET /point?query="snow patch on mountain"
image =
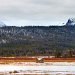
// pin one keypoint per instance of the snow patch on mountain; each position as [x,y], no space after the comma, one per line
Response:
[2,24]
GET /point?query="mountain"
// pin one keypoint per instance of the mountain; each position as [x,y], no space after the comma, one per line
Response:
[37,40]
[1,24]
[70,22]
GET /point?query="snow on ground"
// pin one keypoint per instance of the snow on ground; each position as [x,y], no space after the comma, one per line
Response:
[39,68]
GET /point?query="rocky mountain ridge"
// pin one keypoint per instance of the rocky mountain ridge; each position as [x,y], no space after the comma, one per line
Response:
[37,40]
[71,22]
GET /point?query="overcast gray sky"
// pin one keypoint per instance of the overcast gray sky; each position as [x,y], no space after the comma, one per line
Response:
[36,12]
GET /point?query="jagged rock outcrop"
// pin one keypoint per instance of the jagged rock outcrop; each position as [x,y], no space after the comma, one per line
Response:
[71,22]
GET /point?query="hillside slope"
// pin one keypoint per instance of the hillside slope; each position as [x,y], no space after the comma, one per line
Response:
[37,40]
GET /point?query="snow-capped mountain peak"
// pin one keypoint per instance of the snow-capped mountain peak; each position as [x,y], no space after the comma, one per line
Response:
[71,22]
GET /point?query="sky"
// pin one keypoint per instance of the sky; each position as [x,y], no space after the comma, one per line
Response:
[36,12]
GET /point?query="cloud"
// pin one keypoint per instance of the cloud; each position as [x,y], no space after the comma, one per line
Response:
[36,11]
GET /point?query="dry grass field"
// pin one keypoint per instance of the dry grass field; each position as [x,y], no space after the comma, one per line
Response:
[59,59]
[31,59]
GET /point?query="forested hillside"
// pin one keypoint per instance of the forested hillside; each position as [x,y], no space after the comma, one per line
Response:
[37,40]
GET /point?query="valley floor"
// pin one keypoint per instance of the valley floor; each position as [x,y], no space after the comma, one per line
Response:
[33,68]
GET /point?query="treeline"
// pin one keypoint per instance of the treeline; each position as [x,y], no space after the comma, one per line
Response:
[33,50]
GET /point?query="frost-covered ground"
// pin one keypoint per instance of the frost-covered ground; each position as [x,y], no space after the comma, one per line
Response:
[21,68]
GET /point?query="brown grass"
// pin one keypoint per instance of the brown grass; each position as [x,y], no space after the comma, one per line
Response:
[30,59]
[59,59]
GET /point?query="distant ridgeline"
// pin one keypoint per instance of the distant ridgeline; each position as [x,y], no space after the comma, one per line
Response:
[58,41]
